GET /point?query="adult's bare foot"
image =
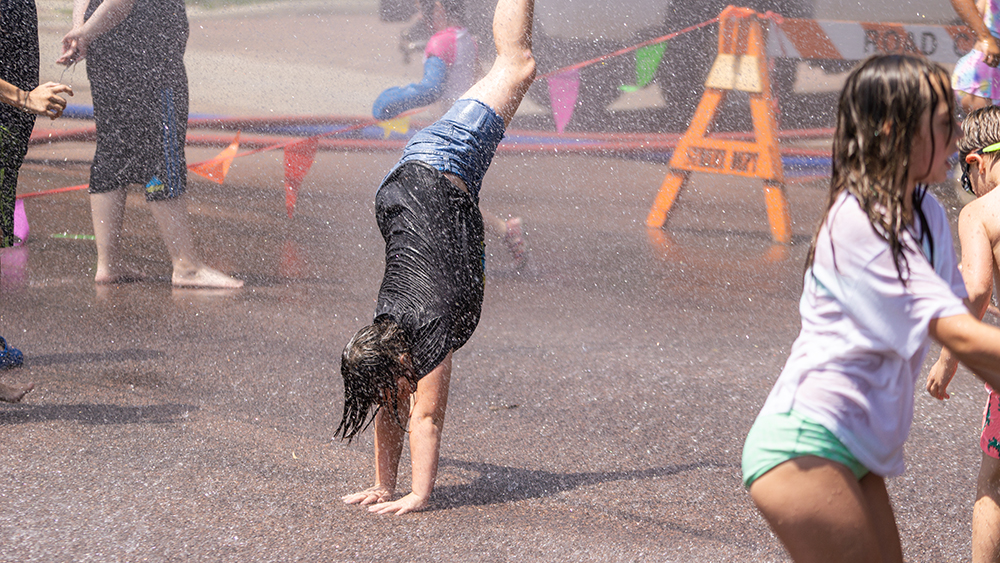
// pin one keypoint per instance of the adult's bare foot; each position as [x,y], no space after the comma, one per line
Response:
[205,277]
[14,394]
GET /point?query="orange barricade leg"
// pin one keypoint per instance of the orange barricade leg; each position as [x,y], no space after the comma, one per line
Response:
[741,65]
[665,199]
[777,211]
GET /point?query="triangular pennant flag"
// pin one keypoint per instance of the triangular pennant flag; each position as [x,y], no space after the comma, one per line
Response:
[647,60]
[217,168]
[21,227]
[298,160]
[399,125]
[563,89]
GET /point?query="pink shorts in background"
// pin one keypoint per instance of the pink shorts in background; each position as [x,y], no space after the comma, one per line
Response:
[990,440]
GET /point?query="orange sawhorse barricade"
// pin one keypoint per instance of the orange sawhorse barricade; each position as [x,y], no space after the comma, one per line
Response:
[740,65]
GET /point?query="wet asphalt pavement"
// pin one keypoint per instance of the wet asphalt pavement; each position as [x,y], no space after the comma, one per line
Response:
[597,414]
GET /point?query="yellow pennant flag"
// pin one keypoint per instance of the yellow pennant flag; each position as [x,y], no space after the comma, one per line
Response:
[399,125]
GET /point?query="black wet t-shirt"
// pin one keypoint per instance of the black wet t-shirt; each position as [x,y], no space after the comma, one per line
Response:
[434,252]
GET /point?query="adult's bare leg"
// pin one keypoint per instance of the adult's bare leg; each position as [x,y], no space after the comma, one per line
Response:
[175,228]
[14,393]
[108,214]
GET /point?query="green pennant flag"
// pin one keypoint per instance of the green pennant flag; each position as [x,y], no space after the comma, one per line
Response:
[647,60]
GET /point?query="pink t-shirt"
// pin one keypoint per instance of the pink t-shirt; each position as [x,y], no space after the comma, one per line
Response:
[457,48]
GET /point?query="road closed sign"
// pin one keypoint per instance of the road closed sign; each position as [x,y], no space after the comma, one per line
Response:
[818,39]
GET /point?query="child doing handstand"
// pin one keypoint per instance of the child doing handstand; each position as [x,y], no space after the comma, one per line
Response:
[881,280]
[432,289]
[979,233]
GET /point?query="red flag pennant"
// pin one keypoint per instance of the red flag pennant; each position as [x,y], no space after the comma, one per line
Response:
[217,168]
[563,90]
[298,160]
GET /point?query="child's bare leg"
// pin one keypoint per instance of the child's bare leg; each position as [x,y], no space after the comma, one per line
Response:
[820,512]
[508,80]
[986,513]
[389,436]
[14,394]
[426,424]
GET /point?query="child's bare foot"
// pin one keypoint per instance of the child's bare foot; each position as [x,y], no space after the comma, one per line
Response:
[205,277]
[371,495]
[514,238]
[11,394]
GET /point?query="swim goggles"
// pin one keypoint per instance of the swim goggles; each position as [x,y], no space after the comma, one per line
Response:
[966,184]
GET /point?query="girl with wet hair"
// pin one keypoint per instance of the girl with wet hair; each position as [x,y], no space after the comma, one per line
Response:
[881,281]
[373,361]
[431,295]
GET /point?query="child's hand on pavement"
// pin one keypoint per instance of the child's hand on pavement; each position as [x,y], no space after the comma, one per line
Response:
[409,503]
[373,494]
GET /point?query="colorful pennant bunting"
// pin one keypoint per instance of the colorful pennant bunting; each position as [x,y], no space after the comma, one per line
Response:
[563,90]
[298,160]
[217,168]
[647,60]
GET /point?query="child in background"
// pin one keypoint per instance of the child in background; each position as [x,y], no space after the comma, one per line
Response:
[451,64]
[976,79]
[881,280]
[432,289]
[979,233]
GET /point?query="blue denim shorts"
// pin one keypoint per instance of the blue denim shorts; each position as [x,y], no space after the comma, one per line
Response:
[462,143]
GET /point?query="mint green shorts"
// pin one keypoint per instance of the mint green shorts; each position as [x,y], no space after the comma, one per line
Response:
[777,438]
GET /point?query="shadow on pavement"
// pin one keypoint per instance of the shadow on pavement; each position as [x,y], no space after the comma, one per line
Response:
[496,484]
[135,355]
[94,414]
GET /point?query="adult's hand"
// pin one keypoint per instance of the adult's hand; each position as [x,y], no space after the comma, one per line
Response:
[74,46]
[45,99]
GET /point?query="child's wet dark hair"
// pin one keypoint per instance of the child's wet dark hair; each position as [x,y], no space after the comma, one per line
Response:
[885,103]
[371,366]
[980,129]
